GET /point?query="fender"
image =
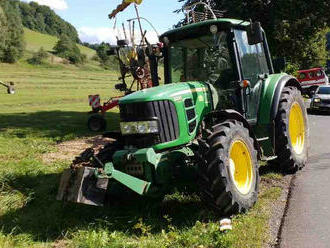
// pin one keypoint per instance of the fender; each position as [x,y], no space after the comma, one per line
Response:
[284,82]
[230,114]
[271,95]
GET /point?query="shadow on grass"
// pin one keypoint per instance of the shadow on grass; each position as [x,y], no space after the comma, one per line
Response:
[46,219]
[58,125]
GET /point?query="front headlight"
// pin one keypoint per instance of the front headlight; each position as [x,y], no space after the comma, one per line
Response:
[140,127]
[316,100]
[128,127]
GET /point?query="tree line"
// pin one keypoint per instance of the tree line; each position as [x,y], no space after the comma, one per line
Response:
[296,29]
[44,20]
[14,15]
[11,32]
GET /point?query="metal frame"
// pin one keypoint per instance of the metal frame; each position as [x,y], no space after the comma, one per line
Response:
[190,10]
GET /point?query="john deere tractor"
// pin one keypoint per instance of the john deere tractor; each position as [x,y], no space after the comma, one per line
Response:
[222,110]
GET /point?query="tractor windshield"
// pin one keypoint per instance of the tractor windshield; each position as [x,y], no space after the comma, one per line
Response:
[206,58]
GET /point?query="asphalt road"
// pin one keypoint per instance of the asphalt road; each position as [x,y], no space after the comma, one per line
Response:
[307,223]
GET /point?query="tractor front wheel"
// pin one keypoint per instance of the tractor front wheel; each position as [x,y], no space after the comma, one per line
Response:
[229,176]
[96,123]
[291,131]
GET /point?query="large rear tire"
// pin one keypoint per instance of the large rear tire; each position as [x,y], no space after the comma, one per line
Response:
[229,177]
[291,131]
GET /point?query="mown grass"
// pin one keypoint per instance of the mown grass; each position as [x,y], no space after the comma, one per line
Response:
[50,107]
[34,41]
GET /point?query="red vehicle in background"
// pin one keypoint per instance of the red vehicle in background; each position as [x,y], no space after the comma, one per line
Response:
[311,79]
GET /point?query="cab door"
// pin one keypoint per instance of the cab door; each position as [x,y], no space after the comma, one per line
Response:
[254,68]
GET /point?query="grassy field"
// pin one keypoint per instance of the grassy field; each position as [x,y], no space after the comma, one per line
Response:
[34,41]
[50,108]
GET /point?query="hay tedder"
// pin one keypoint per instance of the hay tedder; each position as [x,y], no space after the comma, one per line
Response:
[138,60]
[222,109]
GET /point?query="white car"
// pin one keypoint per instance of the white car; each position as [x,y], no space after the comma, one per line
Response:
[321,99]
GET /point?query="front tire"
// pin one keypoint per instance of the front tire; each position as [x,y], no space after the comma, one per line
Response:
[229,176]
[291,131]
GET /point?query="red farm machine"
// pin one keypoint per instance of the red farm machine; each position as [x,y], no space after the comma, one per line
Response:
[138,62]
[10,87]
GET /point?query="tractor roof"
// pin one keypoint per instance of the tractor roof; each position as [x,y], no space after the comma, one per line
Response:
[227,21]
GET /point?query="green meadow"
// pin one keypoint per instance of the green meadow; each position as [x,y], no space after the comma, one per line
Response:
[50,109]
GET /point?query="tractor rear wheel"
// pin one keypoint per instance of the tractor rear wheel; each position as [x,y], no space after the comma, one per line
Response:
[291,131]
[229,176]
[96,123]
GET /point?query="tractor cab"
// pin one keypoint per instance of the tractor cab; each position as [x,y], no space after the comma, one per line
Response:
[231,56]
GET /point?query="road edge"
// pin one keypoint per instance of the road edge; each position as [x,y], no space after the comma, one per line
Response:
[279,211]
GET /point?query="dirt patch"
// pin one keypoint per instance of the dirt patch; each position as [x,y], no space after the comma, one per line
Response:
[70,149]
[60,244]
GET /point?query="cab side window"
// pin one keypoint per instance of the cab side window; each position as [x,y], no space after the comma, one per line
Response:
[252,57]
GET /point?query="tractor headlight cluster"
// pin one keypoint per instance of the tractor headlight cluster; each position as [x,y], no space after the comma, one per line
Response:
[317,100]
[140,127]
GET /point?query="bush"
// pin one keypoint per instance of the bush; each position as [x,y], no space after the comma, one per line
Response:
[66,48]
[108,62]
[38,57]
[96,58]
[292,69]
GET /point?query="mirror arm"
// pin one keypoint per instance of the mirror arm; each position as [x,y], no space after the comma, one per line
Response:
[267,52]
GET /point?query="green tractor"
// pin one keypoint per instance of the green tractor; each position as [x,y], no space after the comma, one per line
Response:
[221,110]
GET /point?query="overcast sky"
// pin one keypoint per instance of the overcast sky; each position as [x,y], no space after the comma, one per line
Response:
[90,17]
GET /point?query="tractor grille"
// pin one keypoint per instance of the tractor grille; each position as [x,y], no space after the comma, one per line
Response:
[163,111]
[326,101]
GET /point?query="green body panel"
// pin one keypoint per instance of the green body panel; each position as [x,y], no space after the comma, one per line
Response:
[264,127]
[177,93]
[266,98]
[158,169]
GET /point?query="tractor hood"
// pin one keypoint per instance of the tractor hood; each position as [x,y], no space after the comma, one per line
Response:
[174,92]
[179,109]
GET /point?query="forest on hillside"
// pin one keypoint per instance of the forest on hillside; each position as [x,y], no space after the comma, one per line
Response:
[14,15]
[11,32]
[42,19]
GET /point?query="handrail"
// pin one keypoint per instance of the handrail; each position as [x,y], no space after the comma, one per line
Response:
[142,18]
[190,7]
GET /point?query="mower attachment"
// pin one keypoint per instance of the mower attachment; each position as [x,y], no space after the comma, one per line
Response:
[81,186]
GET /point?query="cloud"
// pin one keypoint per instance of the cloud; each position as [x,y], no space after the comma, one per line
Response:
[54,4]
[105,34]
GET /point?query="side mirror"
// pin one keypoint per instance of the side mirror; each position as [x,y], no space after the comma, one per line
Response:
[254,33]
[111,51]
[279,65]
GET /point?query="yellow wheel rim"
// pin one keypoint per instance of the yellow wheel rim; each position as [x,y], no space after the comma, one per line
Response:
[240,165]
[297,128]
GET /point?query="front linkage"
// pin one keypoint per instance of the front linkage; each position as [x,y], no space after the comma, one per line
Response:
[143,171]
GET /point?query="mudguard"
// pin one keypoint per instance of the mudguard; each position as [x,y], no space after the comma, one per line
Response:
[230,114]
[271,94]
[284,82]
